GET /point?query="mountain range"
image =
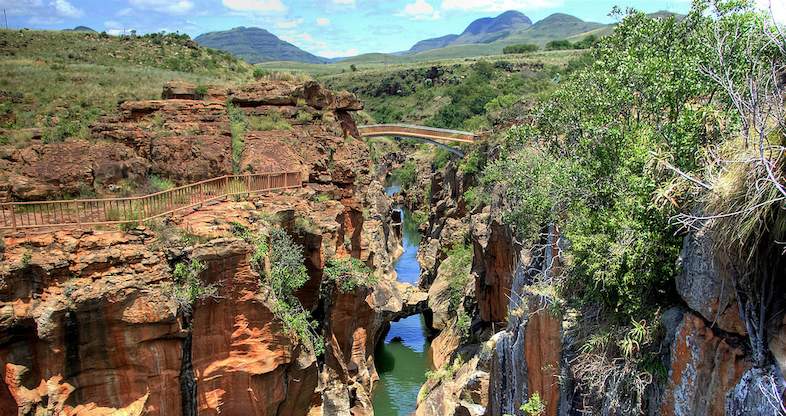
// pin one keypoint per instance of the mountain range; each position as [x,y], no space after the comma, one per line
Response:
[493,33]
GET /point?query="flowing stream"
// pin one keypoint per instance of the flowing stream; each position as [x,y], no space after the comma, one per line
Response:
[402,360]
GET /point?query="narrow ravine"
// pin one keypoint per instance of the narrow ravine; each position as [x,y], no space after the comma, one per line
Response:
[402,359]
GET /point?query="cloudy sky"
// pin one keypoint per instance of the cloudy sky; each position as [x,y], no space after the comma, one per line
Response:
[325,27]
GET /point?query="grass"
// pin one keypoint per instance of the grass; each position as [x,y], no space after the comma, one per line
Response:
[267,122]
[61,82]
[237,125]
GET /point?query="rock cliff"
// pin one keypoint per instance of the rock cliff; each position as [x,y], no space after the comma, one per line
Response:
[88,321]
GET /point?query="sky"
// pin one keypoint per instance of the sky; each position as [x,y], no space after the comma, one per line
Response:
[327,28]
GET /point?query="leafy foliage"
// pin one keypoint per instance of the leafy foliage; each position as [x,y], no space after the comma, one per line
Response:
[534,406]
[188,288]
[348,274]
[287,274]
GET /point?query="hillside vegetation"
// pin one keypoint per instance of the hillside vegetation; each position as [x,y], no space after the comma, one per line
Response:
[59,82]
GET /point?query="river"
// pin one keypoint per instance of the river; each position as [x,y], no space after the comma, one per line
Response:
[402,360]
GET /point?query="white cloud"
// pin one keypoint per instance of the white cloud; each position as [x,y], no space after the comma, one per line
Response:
[164,6]
[498,5]
[20,7]
[420,10]
[289,24]
[112,24]
[297,37]
[778,8]
[124,12]
[329,53]
[256,6]
[323,21]
[66,9]
[352,2]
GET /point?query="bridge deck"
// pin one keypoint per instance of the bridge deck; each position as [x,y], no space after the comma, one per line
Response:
[408,130]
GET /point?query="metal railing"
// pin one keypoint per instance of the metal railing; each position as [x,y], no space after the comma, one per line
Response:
[408,130]
[112,211]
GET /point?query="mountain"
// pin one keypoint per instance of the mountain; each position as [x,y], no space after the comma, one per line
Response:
[484,30]
[80,29]
[510,28]
[434,43]
[256,45]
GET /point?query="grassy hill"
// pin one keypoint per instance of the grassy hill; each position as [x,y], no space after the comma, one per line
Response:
[256,45]
[53,80]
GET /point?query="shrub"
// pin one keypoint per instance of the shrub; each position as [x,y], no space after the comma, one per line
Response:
[160,184]
[456,268]
[406,175]
[348,274]
[288,274]
[303,116]
[200,91]
[534,406]
[463,323]
[287,271]
[522,48]
[260,73]
[447,371]
[559,45]
[188,288]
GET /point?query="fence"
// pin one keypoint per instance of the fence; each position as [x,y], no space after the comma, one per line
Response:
[111,211]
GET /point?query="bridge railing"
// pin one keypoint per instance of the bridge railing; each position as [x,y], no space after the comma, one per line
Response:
[409,130]
[112,211]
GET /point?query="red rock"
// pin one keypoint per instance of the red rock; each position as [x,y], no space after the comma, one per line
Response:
[704,368]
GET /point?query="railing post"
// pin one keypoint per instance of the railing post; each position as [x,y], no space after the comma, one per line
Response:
[13,217]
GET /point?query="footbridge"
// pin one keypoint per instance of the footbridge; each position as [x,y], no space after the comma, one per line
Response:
[439,137]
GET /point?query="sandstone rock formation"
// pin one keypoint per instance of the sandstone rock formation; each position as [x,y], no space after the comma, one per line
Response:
[96,308]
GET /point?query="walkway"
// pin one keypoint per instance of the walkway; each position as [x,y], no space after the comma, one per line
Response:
[114,211]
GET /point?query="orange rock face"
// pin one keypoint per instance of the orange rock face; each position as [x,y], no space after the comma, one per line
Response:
[85,336]
[704,368]
[244,363]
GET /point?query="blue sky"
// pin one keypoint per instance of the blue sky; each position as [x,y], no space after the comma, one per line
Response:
[325,27]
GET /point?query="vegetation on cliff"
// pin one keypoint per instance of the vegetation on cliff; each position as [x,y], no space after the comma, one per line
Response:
[656,128]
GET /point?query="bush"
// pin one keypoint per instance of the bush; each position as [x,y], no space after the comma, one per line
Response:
[523,48]
[534,406]
[559,45]
[456,268]
[260,73]
[348,274]
[188,288]
[405,176]
[160,184]
[200,91]
[287,270]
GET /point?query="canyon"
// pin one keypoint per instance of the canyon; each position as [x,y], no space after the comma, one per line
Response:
[89,325]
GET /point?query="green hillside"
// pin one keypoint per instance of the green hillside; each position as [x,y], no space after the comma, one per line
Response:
[59,81]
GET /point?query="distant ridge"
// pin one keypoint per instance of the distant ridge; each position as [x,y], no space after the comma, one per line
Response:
[256,45]
[509,28]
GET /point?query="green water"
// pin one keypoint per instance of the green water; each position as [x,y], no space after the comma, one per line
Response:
[402,364]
